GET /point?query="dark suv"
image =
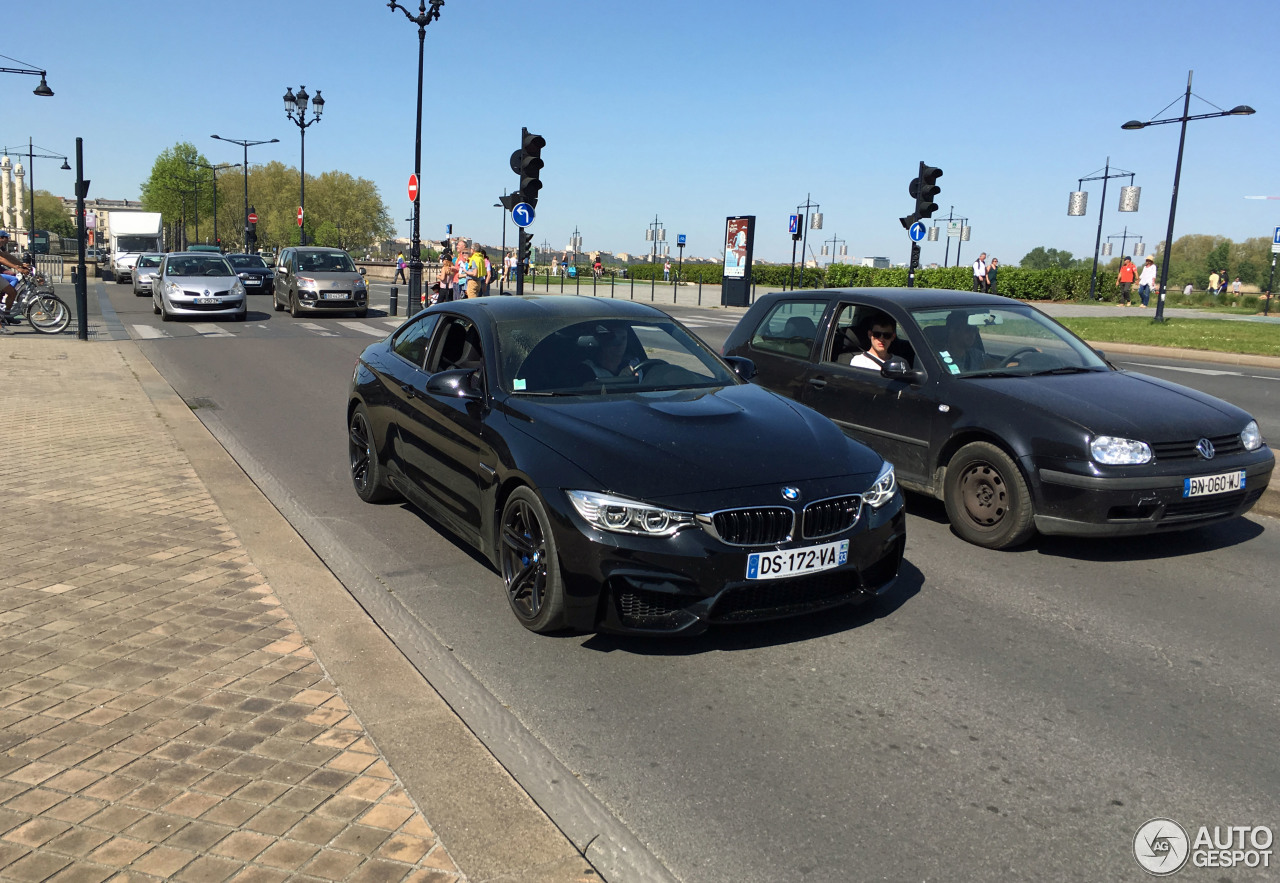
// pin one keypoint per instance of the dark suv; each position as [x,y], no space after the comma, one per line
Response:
[312,279]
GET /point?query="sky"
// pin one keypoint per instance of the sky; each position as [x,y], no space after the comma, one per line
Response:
[686,112]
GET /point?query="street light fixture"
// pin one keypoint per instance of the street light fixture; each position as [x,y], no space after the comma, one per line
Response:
[42,90]
[1238,110]
[246,145]
[1080,199]
[215,170]
[295,108]
[422,19]
[32,156]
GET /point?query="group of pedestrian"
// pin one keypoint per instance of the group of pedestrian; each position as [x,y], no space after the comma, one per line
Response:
[984,274]
[1146,279]
[1218,284]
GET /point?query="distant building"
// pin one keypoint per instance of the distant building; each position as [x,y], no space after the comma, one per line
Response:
[878,263]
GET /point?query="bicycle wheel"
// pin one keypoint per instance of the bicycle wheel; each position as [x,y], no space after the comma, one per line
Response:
[48,314]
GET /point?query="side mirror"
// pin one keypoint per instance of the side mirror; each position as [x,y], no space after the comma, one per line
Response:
[743,367]
[363,271]
[460,383]
[896,368]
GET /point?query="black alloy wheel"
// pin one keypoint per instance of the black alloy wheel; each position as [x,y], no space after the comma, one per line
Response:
[530,564]
[366,470]
[987,499]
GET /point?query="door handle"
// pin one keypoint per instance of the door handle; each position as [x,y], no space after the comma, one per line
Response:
[407,390]
[818,382]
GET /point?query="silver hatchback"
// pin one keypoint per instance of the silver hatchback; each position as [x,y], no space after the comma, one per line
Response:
[144,273]
[203,285]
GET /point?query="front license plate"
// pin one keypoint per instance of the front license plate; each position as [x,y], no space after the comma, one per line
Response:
[252,281]
[1204,485]
[336,295]
[795,562]
[208,300]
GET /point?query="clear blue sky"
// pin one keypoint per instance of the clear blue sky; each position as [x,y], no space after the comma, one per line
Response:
[691,111]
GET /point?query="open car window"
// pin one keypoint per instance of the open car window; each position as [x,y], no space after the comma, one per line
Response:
[604,356]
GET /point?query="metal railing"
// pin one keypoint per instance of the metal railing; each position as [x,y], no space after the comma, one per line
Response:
[50,265]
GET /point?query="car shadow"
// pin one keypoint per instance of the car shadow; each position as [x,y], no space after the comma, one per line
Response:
[750,636]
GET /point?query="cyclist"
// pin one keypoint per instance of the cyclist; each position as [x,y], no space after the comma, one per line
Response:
[8,283]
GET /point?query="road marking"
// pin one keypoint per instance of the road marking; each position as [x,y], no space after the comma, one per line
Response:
[317,329]
[361,326]
[212,331]
[1212,372]
[147,332]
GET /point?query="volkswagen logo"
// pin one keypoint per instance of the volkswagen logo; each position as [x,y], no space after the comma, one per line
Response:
[1205,447]
[791,494]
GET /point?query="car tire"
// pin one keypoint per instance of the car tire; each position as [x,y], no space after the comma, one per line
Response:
[294,309]
[530,563]
[987,499]
[367,473]
[155,307]
[275,303]
[165,315]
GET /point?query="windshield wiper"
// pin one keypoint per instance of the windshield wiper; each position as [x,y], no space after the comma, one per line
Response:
[1065,369]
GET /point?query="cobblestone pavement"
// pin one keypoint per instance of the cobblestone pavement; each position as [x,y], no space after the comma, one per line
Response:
[161,717]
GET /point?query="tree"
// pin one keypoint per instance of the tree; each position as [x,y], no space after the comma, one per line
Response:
[179,190]
[51,216]
[1041,258]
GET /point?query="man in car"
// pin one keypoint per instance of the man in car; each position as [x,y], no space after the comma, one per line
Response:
[964,346]
[609,357]
[881,332]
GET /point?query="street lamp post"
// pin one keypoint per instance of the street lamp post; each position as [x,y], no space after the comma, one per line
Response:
[1238,110]
[295,108]
[1079,199]
[1124,240]
[503,278]
[806,221]
[246,145]
[32,156]
[215,170]
[42,90]
[422,19]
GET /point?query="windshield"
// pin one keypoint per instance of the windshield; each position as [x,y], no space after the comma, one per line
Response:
[1017,339]
[603,356]
[325,262]
[195,265]
[137,243]
[248,262]
[149,260]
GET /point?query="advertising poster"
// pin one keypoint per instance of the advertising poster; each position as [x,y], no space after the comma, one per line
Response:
[735,248]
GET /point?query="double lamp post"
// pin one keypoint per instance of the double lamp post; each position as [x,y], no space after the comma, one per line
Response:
[295,108]
[246,145]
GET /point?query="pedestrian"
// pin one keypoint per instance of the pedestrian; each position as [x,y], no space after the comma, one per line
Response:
[991,276]
[1235,288]
[555,266]
[1124,280]
[1213,283]
[445,280]
[598,269]
[1147,279]
[1222,283]
[489,275]
[475,273]
[1188,290]
[400,277]
[460,271]
[980,272]
[666,271]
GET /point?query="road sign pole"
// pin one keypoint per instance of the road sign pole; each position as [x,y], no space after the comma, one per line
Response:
[1266,309]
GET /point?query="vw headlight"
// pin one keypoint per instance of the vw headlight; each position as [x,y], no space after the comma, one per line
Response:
[620,515]
[883,490]
[1251,436]
[1111,451]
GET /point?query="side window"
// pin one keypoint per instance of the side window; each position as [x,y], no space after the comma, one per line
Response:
[789,328]
[411,342]
[456,345]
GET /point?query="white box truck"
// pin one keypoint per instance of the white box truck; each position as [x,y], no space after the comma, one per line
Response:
[131,234]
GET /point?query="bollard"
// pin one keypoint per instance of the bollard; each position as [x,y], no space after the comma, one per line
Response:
[395,298]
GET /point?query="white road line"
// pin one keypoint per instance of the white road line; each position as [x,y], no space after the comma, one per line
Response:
[211,331]
[316,329]
[1212,372]
[361,326]
[147,332]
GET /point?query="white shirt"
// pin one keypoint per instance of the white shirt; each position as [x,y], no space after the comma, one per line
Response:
[979,267]
[866,360]
[1148,276]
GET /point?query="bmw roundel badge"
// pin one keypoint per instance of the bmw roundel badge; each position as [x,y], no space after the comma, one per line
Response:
[791,494]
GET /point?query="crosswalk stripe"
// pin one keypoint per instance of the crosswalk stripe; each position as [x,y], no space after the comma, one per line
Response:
[361,326]
[147,332]
[318,329]
[211,331]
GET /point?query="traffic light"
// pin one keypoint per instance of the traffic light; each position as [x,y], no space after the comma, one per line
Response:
[924,188]
[525,251]
[527,163]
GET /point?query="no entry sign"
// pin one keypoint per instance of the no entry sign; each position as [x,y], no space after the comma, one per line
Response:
[299,216]
[253,218]
[413,188]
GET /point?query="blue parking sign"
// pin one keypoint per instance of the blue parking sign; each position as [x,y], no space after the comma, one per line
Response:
[794,226]
[680,239]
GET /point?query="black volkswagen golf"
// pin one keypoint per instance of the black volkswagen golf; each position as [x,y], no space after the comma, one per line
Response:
[616,472]
[1005,415]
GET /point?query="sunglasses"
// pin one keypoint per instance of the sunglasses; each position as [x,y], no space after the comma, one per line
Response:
[883,335]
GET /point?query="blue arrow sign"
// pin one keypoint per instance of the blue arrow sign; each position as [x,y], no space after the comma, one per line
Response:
[522,214]
[917,231]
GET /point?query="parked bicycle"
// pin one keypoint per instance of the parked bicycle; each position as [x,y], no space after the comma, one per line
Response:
[36,302]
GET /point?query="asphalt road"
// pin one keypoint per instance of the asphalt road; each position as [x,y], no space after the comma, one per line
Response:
[1000,715]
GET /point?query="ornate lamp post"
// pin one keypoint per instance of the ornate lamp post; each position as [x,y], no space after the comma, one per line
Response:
[31,181]
[422,19]
[246,145]
[1080,199]
[1238,110]
[295,108]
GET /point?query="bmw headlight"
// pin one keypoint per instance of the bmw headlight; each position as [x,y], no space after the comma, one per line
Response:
[883,490]
[1111,451]
[620,515]
[1251,436]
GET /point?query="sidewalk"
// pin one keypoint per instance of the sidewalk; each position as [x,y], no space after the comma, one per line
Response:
[186,693]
